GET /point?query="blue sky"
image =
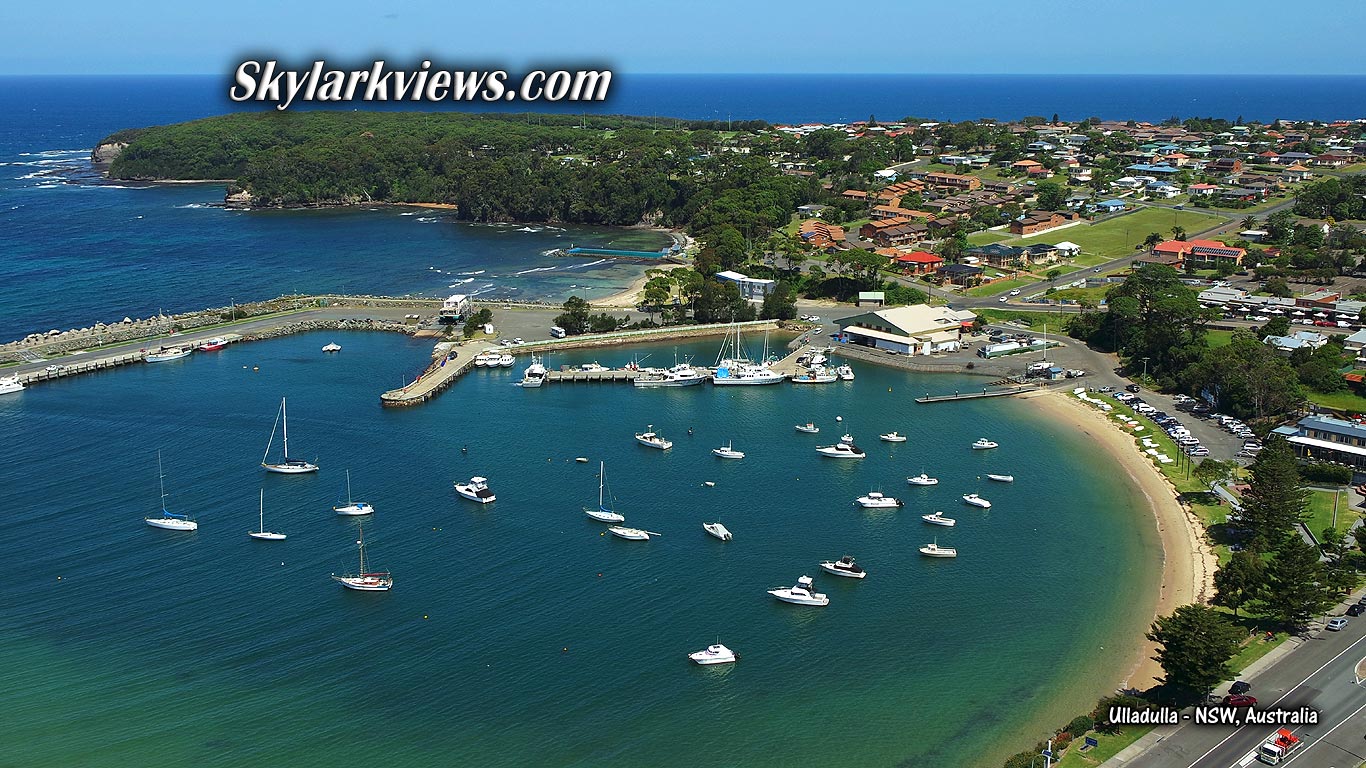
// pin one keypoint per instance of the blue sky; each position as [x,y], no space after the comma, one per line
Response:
[901,36]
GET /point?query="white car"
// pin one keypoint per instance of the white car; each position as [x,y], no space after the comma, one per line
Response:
[1015,292]
[1004,299]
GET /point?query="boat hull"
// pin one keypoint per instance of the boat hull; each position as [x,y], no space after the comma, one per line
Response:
[292,468]
[1002,478]
[836,454]
[831,568]
[10,385]
[977,502]
[662,445]
[474,495]
[808,430]
[705,660]
[172,524]
[926,481]
[890,439]
[365,583]
[166,357]
[354,510]
[266,536]
[938,552]
[727,454]
[604,517]
[816,600]
[717,530]
[630,534]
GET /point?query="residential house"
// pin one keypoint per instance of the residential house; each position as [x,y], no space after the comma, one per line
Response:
[1039,221]
[1287,345]
[1000,256]
[752,288]
[1226,165]
[811,210]
[952,181]
[916,262]
[820,235]
[1202,190]
[1109,206]
[1204,252]
[960,274]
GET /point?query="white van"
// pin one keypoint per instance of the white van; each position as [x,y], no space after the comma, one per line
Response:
[557,332]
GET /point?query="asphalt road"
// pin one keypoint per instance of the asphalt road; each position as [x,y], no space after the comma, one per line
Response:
[1321,675]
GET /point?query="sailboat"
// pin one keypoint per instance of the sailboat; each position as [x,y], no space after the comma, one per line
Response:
[262,533]
[603,514]
[168,520]
[353,507]
[365,581]
[287,466]
[738,369]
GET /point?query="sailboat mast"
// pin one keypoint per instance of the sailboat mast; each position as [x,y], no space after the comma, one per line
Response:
[348,488]
[362,552]
[161,481]
[602,478]
[285,417]
[263,510]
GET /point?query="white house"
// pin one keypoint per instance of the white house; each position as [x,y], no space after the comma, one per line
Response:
[1163,190]
[752,288]
[456,305]
[1068,250]
[1297,340]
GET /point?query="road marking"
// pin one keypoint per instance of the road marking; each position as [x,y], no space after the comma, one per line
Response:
[1277,701]
[1326,735]
[1247,760]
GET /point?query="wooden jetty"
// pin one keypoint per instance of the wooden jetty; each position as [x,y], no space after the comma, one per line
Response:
[79,366]
[928,398]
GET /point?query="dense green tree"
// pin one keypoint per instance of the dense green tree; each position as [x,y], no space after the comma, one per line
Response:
[476,321]
[1246,378]
[1274,501]
[1052,195]
[1276,326]
[1239,581]
[779,303]
[1277,286]
[1196,645]
[1211,470]
[1295,589]
[1318,370]
[1153,315]
[574,321]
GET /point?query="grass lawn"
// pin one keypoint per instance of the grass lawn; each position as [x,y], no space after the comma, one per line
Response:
[1321,512]
[1035,320]
[1117,236]
[1217,339]
[1000,286]
[1093,295]
[1341,401]
[987,237]
[1110,745]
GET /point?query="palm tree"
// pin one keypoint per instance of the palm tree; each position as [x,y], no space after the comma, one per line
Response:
[1250,222]
[1179,232]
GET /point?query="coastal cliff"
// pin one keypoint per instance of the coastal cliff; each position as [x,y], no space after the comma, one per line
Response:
[105,153]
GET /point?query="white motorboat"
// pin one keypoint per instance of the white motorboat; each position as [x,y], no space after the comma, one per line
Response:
[261,533]
[875,500]
[10,384]
[287,466]
[718,530]
[649,439]
[603,513]
[1001,478]
[976,501]
[482,360]
[593,367]
[363,580]
[477,489]
[816,375]
[845,373]
[844,449]
[352,508]
[809,428]
[727,451]
[983,444]
[893,437]
[714,654]
[169,520]
[633,534]
[333,347]
[923,479]
[934,550]
[506,361]
[534,375]
[166,354]
[680,375]
[802,593]
[844,567]
[937,518]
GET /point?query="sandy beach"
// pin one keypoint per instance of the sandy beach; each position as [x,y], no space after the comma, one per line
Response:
[1188,562]
[630,297]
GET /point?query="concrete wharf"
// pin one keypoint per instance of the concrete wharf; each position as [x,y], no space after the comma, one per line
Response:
[928,398]
[440,374]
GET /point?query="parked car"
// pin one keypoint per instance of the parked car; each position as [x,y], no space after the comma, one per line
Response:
[1239,688]
[1239,700]
[1356,610]
[1362,601]
[1106,389]
[1337,623]
[1133,388]
[1016,292]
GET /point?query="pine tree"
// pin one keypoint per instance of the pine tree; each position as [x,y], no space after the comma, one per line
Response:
[1239,581]
[1274,501]
[1295,589]
[1197,642]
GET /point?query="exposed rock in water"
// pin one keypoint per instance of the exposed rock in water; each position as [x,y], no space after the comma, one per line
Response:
[239,198]
[104,154]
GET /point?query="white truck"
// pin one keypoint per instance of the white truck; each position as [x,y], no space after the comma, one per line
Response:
[1274,750]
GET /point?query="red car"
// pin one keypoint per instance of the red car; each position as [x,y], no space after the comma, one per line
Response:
[1239,701]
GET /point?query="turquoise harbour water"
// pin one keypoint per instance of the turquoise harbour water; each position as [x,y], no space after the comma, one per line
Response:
[517,633]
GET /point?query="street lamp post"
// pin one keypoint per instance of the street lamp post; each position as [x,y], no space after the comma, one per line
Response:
[1145,371]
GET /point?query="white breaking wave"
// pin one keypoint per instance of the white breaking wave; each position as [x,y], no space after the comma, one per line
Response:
[427,219]
[589,264]
[408,213]
[194,205]
[528,229]
[477,272]
[484,289]
[537,269]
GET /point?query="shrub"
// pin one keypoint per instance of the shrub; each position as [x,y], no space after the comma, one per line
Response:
[1326,473]
[1080,724]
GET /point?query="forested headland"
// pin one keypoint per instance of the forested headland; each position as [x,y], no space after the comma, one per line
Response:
[609,170]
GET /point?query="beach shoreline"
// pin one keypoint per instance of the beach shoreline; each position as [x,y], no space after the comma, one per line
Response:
[1188,562]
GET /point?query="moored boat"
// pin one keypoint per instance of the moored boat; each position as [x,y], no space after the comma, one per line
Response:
[983,444]
[815,375]
[603,513]
[10,384]
[845,373]
[332,347]
[875,500]
[718,530]
[166,354]
[286,466]
[1001,478]
[352,508]
[893,437]
[923,479]
[802,593]
[714,654]
[728,451]
[477,489]
[631,534]
[934,550]
[506,361]
[937,518]
[846,567]
[169,520]
[534,375]
[261,533]
[976,501]
[363,580]
[809,428]
[844,449]
[213,345]
[649,439]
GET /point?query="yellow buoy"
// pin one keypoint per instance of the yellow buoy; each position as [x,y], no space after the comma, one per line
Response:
[424,617]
